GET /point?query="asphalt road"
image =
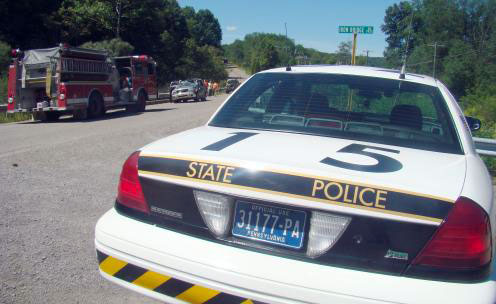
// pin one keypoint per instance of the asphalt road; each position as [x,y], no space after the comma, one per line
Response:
[57,179]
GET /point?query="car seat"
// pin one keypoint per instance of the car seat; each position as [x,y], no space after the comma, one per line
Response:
[406,116]
[318,105]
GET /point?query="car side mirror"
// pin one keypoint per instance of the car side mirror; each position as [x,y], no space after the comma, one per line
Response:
[473,123]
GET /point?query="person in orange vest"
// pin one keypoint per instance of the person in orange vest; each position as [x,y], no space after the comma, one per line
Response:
[215,87]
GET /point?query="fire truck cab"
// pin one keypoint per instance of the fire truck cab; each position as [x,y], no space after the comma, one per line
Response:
[82,82]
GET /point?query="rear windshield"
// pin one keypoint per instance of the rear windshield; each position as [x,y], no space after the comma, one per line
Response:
[354,107]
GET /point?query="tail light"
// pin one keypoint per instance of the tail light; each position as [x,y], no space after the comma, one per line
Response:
[130,193]
[15,53]
[62,100]
[462,242]
[10,103]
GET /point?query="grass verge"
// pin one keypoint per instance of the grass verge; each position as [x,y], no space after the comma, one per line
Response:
[14,117]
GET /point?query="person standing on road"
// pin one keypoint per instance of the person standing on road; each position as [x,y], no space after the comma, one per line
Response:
[125,91]
[210,87]
[215,87]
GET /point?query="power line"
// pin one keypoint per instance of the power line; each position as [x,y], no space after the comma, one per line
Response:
[449,56]
[435,45]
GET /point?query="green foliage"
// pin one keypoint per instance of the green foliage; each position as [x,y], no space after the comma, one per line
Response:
[14,117]
[397,29]
[4,64]
[85,20]
[204,62]
[465,32]
[29,24]
[203,27]
[4,56]
[3,89]
[159,28]
[344,52]
[259,51]
[202,56]
[481,103]
[115,47]
[264,57]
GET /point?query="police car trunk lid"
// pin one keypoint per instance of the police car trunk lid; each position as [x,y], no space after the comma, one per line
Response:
[425,174]
[393,214]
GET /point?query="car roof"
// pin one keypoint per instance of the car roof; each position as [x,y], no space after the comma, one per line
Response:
[358,71]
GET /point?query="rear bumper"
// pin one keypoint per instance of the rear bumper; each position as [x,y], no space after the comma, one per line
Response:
[45,109]
[262,277]
[49,109]
[183,96]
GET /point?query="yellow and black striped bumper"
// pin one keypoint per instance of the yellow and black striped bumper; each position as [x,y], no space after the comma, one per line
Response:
[164,284]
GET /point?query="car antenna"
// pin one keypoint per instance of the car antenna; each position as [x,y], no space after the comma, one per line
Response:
[288,67]
[403,67]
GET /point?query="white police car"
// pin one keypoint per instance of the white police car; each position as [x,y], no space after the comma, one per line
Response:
[315,184]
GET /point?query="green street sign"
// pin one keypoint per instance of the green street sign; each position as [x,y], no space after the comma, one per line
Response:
[347,29]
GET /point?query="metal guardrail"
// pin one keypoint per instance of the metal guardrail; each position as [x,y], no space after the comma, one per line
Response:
[485,146]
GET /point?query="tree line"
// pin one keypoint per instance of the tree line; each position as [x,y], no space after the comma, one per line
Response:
[259,51]
[456,40]
[184,42]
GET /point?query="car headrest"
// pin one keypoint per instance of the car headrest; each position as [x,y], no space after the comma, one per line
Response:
[318,104]
[406,115]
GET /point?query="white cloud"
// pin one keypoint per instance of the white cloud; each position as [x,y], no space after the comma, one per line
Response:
[231,28]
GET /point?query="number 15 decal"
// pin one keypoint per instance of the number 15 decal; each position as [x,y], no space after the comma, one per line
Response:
[384,163]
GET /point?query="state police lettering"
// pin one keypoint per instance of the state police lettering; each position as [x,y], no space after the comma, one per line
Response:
[347,193]
[212,172]
[295,185]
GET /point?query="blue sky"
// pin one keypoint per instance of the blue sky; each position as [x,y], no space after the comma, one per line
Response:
[310,23]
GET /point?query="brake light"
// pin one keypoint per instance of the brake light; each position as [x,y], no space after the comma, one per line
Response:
[62,95]
[10,103]
[462,242]
[130,193]
[15,53]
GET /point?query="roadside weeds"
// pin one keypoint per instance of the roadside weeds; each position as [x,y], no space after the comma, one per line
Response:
[14,117]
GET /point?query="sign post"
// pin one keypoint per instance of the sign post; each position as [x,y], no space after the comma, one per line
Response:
[346,29]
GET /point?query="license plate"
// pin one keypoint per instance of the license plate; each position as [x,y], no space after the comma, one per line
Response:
[280,226]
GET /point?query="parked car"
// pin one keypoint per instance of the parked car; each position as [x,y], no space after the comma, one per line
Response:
[202,90]
[321,184]
[187,90]
[231,85]
[172,86]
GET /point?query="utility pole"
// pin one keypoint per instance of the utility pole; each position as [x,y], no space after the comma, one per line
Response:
[435,45]
[353,52]
[367,58]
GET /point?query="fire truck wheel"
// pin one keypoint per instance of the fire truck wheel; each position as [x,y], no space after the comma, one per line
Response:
[52,116]
[141,102]
[80,114]
[39,116]
[95,106]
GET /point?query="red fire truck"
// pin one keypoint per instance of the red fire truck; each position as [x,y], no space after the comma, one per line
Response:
[82,82]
